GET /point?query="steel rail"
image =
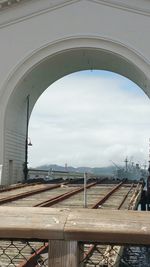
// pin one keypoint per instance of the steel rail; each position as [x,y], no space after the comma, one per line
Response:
[102,200]
[59,198]
[48,203]
[32,261]
[95,206]
[52,201]
[62,197]
[136,192]
[17,186]
[92,247]
[125,197]
[26,194]
[122,202]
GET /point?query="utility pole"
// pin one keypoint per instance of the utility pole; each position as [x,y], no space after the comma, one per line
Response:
[85,190]
[126,164]
[25,169]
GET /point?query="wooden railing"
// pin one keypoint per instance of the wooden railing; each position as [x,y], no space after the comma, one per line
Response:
[64,228]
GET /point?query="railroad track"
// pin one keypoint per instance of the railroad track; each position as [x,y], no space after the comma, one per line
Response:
[99,196]
[109,256]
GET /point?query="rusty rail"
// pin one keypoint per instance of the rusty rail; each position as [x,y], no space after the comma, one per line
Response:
[26,194]
[125,197]
[102,200]
[32,261]
[16,186]
[62,197]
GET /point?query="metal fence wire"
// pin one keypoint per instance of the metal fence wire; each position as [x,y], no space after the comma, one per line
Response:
[14,253]
[95,255]
[25,253]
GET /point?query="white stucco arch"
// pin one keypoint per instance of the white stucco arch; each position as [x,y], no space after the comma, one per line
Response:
[49,63]
[44,40]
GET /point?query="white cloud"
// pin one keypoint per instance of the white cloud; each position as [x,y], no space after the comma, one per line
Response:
[90,119]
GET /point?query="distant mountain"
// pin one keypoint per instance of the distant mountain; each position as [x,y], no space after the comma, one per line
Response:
[101,170]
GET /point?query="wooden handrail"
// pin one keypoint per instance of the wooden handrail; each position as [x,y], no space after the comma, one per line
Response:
[105,226]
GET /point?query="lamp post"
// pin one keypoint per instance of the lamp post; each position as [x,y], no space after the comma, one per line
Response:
[85,190]
[25,169]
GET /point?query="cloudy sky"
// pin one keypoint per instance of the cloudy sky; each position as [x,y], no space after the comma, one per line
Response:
[88,119]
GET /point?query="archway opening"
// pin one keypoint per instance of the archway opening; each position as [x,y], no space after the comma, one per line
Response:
[90,119]
[43,69]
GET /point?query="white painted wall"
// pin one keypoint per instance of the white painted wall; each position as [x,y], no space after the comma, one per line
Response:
[43,40]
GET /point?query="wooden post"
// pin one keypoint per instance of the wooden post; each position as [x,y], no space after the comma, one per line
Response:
[63,253]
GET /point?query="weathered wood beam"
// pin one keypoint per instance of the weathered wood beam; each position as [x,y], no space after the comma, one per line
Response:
[31,222]
[108,226]
[105,226]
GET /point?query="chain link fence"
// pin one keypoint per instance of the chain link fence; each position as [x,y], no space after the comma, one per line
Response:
[25,253]
[94,255]
[16,253]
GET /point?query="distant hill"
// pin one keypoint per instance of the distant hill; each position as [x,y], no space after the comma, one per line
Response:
[99,171]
